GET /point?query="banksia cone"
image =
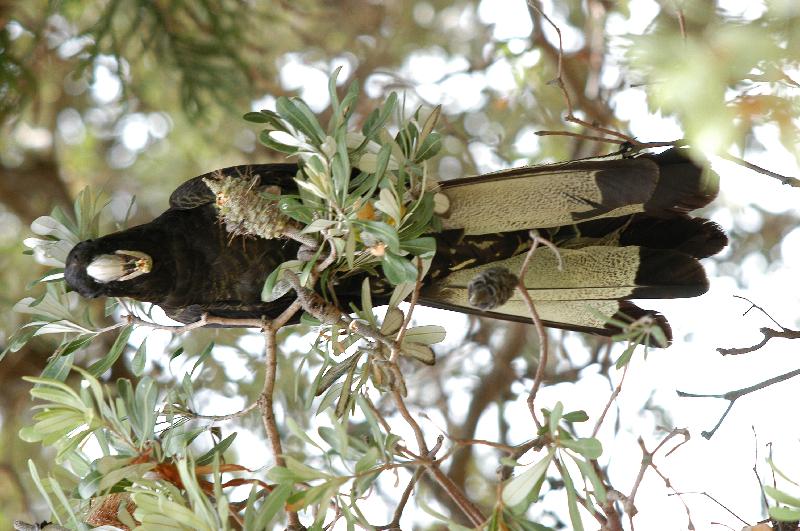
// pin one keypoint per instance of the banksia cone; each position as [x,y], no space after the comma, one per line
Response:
[245,211]
[491,288]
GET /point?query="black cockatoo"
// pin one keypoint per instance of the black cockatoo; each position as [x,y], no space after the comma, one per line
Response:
[622,227]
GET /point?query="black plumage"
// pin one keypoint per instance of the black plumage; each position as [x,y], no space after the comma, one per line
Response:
[622,226]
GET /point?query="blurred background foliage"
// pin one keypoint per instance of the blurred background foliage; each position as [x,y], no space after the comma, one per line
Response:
[134,97]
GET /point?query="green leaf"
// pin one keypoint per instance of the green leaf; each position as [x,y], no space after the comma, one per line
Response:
[363,483]
[572,500]
[336,115]
[366,299]
[267,140]
[300,433]
[427,334]
[349,99]
[576,416]
[177,438]
[389,205]
[659,336]
[75,344]
[517,489]
[340,166]
[367,461]
[429,147]
[20,338]
[430,124]
[421,352]
[295,209]
[784,514]
[397,269]
[383,232]
[143,414]
[218,449]
[344,396]
[423,247]
[272,506]
[139,359]
[625,357]
[336,371]
[378,117]
[588,472]
[401,292]
[590,448]
[392,321]
[256,117]
[40,486]
[318,225]
[202,357]
[296,112]
[781,497]
[303,471]
[313,495]
[330,396]
[421,219]
[555,418]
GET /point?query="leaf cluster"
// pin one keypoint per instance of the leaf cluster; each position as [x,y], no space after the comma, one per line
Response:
[367,194]
[561,449]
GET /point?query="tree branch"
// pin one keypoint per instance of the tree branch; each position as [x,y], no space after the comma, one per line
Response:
[732,396]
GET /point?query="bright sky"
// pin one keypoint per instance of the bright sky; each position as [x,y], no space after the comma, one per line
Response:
[722,466]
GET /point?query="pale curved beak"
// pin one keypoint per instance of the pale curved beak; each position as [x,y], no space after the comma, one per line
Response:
[120,266]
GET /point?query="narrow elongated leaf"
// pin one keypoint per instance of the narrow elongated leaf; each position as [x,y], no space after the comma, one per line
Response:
[518,487]
[572,501]
[143,415]
[336,371]
[139,359]
[271,506]
[782,497]
[784,514]
[588,472]
[555,418]
[347,389]
[271,143]
[98,368]
[202,357]
[378,117]
[296,112]
[429,147]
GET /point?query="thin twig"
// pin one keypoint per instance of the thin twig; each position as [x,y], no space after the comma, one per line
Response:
[759,308]
[768,333]
[712,498]
[398,511]
[647,462]
[218,418]
[790,181]
[265,402]
[611,399]
[732,396]
[204,320]
[537,322]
